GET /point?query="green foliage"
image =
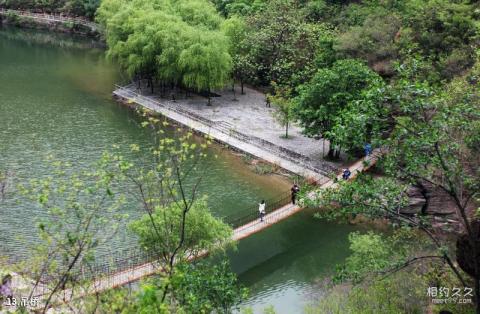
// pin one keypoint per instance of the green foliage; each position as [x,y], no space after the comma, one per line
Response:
[370,254]
[243,66]
[204,64]
[444,31]
[82,212]
[203,231]
[178,42]
[430,140]
[367,196]
[206,288]
[334,91]
[238,7]
[364,120]
[373,41]
[84,8]
[284,105]
[281,44]
[374,254]
[441,32]
[434,132]
[399,293]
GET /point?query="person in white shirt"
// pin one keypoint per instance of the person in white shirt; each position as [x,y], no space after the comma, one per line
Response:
[261,209]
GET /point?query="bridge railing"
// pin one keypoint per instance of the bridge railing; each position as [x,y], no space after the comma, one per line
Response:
[125,260]
[51,17]
[152,104]
[252,213]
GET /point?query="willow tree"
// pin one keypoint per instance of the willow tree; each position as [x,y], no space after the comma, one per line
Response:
[173,38]
[198,13]
[178,42]
[206,63]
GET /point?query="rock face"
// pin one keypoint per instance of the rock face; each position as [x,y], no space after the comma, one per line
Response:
[416,202]
[429,200]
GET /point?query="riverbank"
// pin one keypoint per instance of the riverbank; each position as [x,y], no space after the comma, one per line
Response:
[50,22]
[244,124]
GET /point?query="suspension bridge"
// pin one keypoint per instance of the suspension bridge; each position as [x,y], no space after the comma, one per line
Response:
[130,266]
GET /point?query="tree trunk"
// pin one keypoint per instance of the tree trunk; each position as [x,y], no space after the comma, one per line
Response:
[337,153]
[323,149]
[233,90]
[241,84]
[286,130]
[209,103]
[331,152]
[174,93]
[426,196]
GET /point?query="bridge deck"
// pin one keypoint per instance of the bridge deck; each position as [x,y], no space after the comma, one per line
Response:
[136,273]
[147,269]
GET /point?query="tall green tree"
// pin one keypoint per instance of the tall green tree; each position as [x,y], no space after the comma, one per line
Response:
[323,100]
[206,64]
[176,42]
[203,232]
[243,67]
[284,106]
[176,225]
[282,44]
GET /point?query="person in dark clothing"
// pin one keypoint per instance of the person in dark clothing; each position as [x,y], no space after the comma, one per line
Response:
[295,189]
[346,174]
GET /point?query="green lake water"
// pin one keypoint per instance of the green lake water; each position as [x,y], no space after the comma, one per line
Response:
[55,98]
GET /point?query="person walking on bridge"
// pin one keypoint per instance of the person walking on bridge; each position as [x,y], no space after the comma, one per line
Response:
[261,209]
[295,189]
[368,149]
[346,174]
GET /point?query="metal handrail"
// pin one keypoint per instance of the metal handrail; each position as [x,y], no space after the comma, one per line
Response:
[51,17]
[129,259]
[259,142]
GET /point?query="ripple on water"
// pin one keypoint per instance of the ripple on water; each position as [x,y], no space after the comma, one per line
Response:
[57,101]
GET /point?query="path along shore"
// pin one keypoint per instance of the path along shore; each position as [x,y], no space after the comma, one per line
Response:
[245,124]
